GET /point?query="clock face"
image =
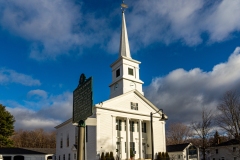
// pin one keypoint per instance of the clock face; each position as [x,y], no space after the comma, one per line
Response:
[132,85]
[116,86]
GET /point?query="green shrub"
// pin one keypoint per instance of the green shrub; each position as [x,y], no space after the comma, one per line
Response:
[167,156]
[107,156]
[111,156]
[131,153]
[159,156]
[163,156]
[102,156]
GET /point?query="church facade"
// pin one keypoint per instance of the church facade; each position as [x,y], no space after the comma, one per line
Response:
[120,124]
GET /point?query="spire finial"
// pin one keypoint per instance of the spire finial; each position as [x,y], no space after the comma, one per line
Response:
[123,6]
[124,49]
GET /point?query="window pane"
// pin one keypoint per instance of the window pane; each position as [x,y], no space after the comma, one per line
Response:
[120,125]
[118,72]
[116,124]
[130,71]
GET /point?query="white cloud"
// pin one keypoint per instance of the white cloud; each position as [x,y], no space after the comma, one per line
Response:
[59,27]
[11,76]
[37,92]
[182,93]
[52,27]
[223,20]
[50,112]
[48,24]
[185,20]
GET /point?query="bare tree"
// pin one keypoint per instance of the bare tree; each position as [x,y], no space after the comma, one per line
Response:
[203,129]
[229,117]
[178,133]
[37,138]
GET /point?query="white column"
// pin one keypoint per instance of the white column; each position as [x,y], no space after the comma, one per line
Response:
[98,116]
[164,136]
[140,139]
[127,139]
[114,134]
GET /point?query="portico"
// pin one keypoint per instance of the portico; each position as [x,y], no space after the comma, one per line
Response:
[129,128]
[130,135]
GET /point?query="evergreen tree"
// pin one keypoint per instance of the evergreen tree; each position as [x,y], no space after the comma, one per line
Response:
[216,139]
[6,127]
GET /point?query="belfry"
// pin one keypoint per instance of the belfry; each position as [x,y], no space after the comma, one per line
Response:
[125,70]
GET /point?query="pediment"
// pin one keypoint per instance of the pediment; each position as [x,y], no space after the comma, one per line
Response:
[124,102]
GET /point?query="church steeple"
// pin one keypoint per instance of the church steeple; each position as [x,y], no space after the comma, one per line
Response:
[124,49]
[125,70]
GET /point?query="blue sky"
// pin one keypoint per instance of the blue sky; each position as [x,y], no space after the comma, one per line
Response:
[189,51]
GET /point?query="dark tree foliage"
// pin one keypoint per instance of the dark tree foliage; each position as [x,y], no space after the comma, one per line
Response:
[6,127]
[216,139]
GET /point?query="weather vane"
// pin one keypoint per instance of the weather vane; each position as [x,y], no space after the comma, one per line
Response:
[123,6]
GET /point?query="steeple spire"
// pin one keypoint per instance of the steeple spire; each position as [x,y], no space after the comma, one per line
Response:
[124,49]
[125,70]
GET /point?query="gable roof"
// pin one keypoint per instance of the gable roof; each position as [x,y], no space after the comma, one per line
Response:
[9,150]
[43,150]
[64,123]
[177,147]
[230,142]
[136,92]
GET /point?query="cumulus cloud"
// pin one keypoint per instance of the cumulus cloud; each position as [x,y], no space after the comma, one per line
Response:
[37,92]
[11,76]
[60,27]
[170,21]
[53,27]
[223,19]
[182,94]
[51,112]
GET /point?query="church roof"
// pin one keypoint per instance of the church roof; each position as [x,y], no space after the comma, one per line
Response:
[43,150]
[124,49]
[230,142]
[64,123]
[18,151]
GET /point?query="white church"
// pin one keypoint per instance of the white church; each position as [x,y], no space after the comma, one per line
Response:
[121,123]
